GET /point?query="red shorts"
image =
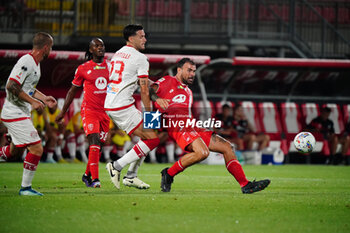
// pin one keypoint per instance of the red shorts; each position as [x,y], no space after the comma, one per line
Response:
[95,122]
[186,136]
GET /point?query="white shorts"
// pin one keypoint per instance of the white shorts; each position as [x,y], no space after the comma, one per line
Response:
[126,119]
[23,132]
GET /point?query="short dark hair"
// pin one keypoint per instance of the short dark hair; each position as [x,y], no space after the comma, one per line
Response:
[130,30]
[184,60]
[237,107]
[41,39]
[326,109]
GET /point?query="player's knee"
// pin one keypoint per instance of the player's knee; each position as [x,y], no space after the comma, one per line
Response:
[206,153]
[202,154]
[36,149]
[232,147]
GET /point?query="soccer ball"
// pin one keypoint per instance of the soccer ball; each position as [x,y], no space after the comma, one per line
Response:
[304,142]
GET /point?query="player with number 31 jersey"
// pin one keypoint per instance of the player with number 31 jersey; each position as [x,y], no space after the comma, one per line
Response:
[92,76]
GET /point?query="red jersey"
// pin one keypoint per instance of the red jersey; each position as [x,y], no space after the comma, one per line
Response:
[179,109]
[181,97]
[95,78]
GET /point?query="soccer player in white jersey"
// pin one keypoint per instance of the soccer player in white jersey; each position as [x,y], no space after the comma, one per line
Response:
[128,69]
[21,97]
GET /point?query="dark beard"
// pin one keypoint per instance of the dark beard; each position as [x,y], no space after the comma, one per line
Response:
[45,56]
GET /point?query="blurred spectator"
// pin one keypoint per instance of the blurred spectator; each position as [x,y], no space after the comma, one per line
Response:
[75,137]
[57,131]
[324,126]
[246,132]
[346,143]
[46,133]
[227,129]
[123,141]
[108,145]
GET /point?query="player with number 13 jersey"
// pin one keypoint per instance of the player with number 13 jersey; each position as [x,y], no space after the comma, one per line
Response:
[124,77]
[128,70]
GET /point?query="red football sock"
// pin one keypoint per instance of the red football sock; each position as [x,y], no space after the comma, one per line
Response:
[87,171]
[235,168]
[175,169]
[31,161]
[94,157]
[151,143]
[144,146]
[5,152]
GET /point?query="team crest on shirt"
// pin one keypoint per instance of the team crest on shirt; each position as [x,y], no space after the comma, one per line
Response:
[90,126]
[34,134]
[101,83]
[179,98]
[99,68]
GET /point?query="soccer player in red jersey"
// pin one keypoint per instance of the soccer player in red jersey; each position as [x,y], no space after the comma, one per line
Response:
[21,97]
[198,141]
[93,77]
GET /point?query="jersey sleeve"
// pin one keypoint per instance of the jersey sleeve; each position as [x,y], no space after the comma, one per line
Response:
[78,77]
[143,67]
[160,83]
[21,70]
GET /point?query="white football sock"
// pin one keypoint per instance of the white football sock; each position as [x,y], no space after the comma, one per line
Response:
[131,156]
[58,152]
[170,152]
[27,177]
[134,167]
[49,156]
[152,155]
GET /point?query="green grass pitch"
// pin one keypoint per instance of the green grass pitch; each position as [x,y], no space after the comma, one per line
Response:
[204,198]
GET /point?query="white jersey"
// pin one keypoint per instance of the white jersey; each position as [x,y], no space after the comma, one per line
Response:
[127,65]
[26,72]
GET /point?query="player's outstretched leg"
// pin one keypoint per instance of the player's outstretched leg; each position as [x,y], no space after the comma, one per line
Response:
[255,186]
[219,144]
[166,181]
[114,174]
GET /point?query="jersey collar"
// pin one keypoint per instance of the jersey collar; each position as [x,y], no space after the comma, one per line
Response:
[182,84]
[34,59]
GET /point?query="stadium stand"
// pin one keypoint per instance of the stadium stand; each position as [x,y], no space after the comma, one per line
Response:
[291,122]
[271,125]
[311,111]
